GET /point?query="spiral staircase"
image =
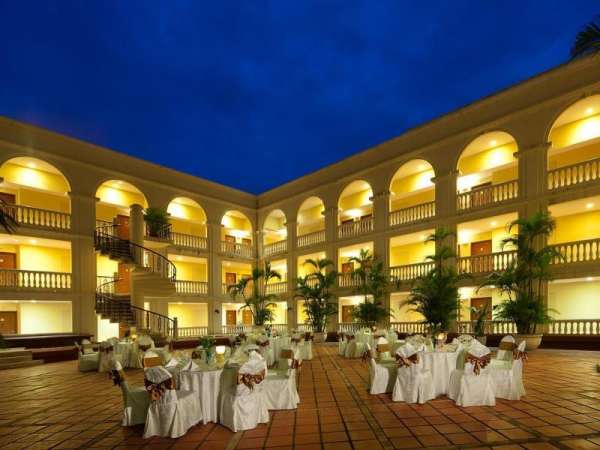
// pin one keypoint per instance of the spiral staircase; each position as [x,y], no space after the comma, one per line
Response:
[153,274]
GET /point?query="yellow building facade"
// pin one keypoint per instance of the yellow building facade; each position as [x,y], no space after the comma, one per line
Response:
[81,236]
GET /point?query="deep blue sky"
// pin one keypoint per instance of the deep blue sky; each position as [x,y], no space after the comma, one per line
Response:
[253,94]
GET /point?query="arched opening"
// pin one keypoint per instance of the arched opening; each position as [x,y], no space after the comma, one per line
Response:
[574,153]
[35,193]
[310,222]
[187,223]
[488,171]
[355,209]
[412,193]
[274,233]
[236,234]
[115,198]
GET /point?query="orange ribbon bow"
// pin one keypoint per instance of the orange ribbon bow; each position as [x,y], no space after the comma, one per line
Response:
[407,362]
[478,363]
[250,379]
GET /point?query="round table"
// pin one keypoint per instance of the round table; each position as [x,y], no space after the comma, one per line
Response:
[441,365]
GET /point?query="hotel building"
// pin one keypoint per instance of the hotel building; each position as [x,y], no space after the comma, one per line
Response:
[82,261]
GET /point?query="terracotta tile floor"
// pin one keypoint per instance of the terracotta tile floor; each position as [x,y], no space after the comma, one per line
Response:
[55,406]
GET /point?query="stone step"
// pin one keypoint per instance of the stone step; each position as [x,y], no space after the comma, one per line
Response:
[14,352]
[9,359]
[16,365]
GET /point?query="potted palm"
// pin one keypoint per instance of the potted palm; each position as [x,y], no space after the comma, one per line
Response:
[372,284]
[479,325]
[435,294]
[525,276]
[253,291]
[157,222]
[315,290]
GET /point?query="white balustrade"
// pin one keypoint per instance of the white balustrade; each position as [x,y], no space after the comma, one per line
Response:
[275,248]
[412,214]
[575,174]
[184,287]
[409,272]
[488,195]
[313,238]
[355,228]
[38,218]
[482,264]
[237,249]
[34,280]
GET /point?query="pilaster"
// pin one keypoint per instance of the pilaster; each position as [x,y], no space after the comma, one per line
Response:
[445,194]
[381,210]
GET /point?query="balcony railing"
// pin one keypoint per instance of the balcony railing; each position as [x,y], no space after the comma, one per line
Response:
[412,214]
[236,329]
[482,264]
[38,218]
[348,280]
[34,280]
[409,272]
[313,238]
[578,251]
[183,287]
[275,248]
[277,288]
[355,228]
[409,327]
[577,327]
[237,249]
[189,241]
[490,327]
[488,195]
[191,332]
[349,327]
[575,174]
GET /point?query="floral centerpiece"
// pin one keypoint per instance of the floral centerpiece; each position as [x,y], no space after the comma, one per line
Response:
[205,345]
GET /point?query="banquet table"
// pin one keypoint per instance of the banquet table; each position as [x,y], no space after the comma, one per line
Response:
[441,365]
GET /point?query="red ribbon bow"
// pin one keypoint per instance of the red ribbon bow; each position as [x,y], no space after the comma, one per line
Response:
[478,363]
[518,354]
[407,361]
[250,379]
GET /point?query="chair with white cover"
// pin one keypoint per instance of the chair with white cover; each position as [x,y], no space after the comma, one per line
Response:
[342,342]
[136,401]
[473,385]
[508,381]
[413,383]
[354,348]
[107,357]
[171,413]
[87,358]
[280,390]
[151,359]
[382,377]
[243,404]
[306,352]
[504,355]
[466,340]
[265,349]
[383,348]
[141,346]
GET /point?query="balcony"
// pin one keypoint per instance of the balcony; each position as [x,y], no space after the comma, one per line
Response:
[587,250]
[409,272]
[237,249]
[355,228]
[574,175]
[188,241]
[311,239]
[191,332]
[27,216]
[347,280]
[275,248]
[484,264]
[277,288]
[183,287]
[487,196]
[412,214]
[33,280]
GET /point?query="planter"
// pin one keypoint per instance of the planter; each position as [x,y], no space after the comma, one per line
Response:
[482,339]
[319,337]
[258,329]
[533,341]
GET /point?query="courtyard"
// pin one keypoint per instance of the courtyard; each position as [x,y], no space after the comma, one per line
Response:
[55,406]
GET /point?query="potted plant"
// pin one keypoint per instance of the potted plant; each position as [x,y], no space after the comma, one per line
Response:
[315,290]
[157,222]
[372,285]
[479,325]
[523,280]
[435,295]
[253,291]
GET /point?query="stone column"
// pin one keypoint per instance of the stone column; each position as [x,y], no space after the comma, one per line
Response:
[292,232]
[331,224]
[445,194]
[136,224]
[533,162]
[214,261]
[381,210]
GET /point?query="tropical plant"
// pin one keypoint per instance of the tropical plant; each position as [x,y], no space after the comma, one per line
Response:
[315,290]
[157,221]
[435,295]
[480,316]
[253,291]
[587,40]
[372,284]
[523,280]
[7,220]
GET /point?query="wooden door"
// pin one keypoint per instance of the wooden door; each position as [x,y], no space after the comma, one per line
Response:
[247,242]
[347,313]
[123,285]
[230,278]
[8,261]
[122,223]
[479,303]
[229,238]
[230,317]
[8,322]
[481,259]
[247,317]
[348,267]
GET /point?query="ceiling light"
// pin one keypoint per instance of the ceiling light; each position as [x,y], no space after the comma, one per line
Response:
[179,258]
[589,110]
[33,301]
[492,143]
[589,279]
[493,223]
[589,205]
[33,241]
[31,165]
[422,237]
[228,264]
[421,167]
[180,303]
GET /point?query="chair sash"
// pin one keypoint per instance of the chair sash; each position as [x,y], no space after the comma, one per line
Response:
[308,336]
[478,363]
[263,344]
[295,340]
[152,361]
[144,348]
[518,354]
[118,376]
[156,390]
[506,345]
[367,355]
[296,364]
[383,348]
[349,337]
[407,361]
[250,379]
[286,353]
[340,336]
[108,349]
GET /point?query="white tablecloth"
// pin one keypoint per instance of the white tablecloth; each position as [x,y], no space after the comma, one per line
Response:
[441,365]
[206,384]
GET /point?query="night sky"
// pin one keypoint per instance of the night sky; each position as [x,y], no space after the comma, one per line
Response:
[253,94]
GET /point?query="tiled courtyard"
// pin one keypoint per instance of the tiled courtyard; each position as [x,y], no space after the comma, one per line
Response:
[55,406]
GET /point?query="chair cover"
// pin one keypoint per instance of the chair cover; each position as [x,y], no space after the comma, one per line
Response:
[342,342]
[171,413]
[413,383]
[87,361]
[266,350]
[280,391]
[382,377]
[504,356]
[354,348]
[107,357]
[306,350]
[473,385]
[151,359]
[243,404]
[383,348]
[508,382]
[135,400]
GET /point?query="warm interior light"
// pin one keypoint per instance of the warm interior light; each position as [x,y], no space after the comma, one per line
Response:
[31,165]
[493,223]
[589,205]
[492,143]
[421,167]
[33,241]
[354,213]
[589,279]
[180,303]
[220,349]
[589,110]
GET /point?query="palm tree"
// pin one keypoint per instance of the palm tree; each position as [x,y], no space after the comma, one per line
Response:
[435,295]
[372,285]
[587,40]
[7,220]
[315,290]
[253,291]
[523,280]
